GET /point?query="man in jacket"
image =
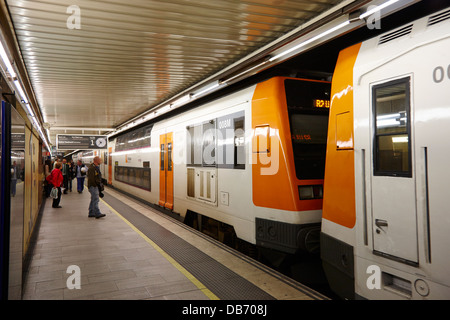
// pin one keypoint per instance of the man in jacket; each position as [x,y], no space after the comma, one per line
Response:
[80,174]
[94,183]
[65,173]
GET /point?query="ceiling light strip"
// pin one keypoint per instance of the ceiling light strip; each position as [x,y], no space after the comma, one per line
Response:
[315,38]
[6,61]
[22,96]
[377,8]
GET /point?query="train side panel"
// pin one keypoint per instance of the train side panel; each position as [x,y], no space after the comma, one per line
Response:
[401,118]
[204,158]
[405,221]
[220,199]
[339,214]
[205,187]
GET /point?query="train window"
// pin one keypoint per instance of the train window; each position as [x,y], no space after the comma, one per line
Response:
[169,156]
[146,138]
[138,138]
[191,182]
[201,144]
[141,139]
[189,145]
[132,140]
[138,177]
[307,103]
[392,138]
[138,173]
[239,143]
[119,143]
[261,139]
[146,178]
[209,144]
[162,151]
[131,176]
[231,141]
[194,145]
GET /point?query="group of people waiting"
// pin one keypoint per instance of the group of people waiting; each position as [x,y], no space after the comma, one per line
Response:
[69,171]
[62,174]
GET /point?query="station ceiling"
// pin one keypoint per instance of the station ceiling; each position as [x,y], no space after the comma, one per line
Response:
[97,64]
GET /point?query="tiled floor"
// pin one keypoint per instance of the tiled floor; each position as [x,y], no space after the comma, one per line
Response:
[115,261]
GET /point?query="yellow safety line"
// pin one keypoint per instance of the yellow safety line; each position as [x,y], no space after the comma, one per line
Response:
[186,273]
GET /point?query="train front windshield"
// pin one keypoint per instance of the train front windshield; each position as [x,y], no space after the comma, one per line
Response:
[308,107]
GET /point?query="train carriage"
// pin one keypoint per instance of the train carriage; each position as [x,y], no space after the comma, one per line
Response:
[249,164]
[385,212]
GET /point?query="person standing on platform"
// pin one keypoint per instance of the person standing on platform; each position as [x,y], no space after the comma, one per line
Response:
[70,174]
[47,171]
[80,173]
[56,161]
[65,173]
[56,179]
[94,186]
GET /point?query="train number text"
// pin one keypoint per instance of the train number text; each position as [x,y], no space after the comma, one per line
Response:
[440,74]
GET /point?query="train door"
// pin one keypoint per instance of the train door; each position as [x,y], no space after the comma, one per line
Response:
[12,200]
[166,171]
[394,218]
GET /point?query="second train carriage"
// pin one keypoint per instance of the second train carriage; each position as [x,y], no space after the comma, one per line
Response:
[250,163]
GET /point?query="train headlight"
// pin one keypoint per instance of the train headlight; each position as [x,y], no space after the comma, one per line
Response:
[310,192]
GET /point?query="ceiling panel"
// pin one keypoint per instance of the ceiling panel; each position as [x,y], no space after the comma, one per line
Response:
[131,55]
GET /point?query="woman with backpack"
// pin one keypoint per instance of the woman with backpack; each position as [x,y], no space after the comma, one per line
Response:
[80,173]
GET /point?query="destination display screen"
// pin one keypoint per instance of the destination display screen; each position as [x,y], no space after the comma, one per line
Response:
[82,142]
[320,103]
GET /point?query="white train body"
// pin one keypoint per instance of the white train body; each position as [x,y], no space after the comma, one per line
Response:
[400,236]
[234,183]
[228,178]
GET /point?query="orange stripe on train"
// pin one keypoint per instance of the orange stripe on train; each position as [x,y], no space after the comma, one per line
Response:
[339,186]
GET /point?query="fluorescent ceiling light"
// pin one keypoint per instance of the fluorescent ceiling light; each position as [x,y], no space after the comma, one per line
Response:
[377,8]
[21,92]
[400,139]
[246,71]
[327,32]
[208,88]
[304,43]
[6,61]
[163,109]
[180,101]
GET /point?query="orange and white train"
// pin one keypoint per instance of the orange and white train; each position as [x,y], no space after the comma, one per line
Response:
[247,166]
[386,208]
